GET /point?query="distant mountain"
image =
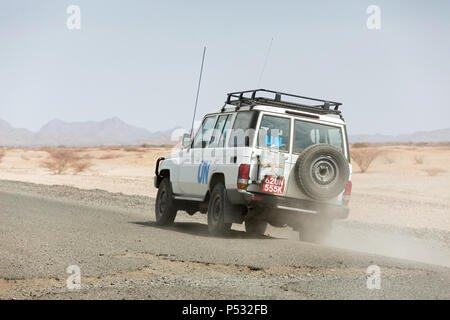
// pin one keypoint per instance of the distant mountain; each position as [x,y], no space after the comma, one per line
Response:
[4,124]
[114,131]
[442,135]
[90,133]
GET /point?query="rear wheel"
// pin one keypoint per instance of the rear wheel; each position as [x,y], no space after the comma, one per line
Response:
[218,203]
[314,229]
[255,227]
[165,209]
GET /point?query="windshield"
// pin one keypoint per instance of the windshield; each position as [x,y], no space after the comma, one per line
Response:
[309,133]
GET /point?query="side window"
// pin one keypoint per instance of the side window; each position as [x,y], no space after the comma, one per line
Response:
[243,130]
[274,132]
[226,131]
[204,134]
[217,131]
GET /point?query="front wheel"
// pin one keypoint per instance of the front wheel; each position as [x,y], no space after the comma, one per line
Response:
[165,209]
[217,206]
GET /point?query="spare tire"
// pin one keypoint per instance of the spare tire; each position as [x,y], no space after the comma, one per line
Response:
[321,171]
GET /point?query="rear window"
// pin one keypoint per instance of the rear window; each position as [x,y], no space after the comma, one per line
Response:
[274,132]
[308,133]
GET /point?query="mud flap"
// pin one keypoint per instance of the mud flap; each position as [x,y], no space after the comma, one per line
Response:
[233,213]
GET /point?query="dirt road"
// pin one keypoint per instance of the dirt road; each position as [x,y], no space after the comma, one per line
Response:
[122,254]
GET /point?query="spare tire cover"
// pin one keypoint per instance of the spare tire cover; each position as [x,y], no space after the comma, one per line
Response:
[321,171]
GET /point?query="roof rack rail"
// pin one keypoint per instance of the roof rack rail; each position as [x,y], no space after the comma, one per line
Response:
[254,97]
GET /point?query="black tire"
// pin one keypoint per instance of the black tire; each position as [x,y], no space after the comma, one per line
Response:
[165,208]
[218,204]
[315,230]
[255,227]
[321,171]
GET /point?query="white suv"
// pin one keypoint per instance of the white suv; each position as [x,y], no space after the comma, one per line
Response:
[265,157]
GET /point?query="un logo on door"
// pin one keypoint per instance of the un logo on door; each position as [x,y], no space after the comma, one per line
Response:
[202,173]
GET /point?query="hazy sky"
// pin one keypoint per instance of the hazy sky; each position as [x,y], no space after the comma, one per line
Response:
[139,60]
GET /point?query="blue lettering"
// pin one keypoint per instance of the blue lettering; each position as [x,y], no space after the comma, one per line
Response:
[269,143]
[276,141]
[203,171]
[200,172]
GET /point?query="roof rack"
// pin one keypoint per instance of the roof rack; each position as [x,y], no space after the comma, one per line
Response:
[260,96]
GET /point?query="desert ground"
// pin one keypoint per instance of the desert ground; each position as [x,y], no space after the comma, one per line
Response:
[405,185]
[93,207]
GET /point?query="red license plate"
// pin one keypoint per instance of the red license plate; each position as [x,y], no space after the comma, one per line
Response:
[273,185]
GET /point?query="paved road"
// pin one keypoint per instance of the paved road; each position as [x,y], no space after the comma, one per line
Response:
[122,254]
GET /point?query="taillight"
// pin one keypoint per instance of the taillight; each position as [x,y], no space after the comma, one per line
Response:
[243,176]
[347,193]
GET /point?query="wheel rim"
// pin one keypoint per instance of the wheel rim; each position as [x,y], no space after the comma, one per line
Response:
[324,171]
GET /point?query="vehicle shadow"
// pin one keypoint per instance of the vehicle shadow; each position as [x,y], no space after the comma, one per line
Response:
[200,229]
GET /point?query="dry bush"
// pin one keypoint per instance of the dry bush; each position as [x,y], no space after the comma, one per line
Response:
[60,160]
[109,156]
[389,160]
[418,159]
[364,157]
[112,148]
[80,166]
[134,149]
[2,154]
[24,157]
[434,171]
[360,145]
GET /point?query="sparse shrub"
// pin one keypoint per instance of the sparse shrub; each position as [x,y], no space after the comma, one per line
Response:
[80,166]
[109,156]
[132,149]
[364,157]
[389,160]
[60,160]
[418,159]
[434,171]
[24,157]
[360,145]
[2,154]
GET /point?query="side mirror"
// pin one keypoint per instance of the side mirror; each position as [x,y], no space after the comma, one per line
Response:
[186,142]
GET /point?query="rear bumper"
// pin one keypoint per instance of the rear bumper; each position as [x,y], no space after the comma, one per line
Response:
[300,206]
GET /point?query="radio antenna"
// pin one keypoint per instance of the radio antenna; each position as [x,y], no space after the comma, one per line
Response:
[198,91]
[265,62]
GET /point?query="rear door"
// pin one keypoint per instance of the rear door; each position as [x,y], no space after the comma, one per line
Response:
[307,133]
[273,149]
